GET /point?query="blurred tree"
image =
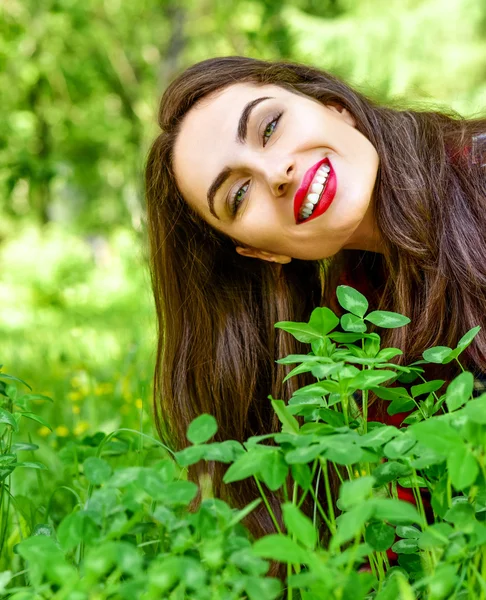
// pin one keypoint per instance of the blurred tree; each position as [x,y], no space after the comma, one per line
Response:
[80,80]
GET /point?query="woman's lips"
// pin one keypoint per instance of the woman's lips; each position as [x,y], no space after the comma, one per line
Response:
[327,195]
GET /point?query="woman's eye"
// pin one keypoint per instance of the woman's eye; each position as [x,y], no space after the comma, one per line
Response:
[270,128]
[238,198]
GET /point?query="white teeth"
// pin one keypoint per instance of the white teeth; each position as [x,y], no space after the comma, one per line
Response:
[316,188]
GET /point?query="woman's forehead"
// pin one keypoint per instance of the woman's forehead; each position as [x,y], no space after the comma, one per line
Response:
[209,129]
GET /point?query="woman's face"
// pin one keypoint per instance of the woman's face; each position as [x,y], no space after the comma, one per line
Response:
[255,160]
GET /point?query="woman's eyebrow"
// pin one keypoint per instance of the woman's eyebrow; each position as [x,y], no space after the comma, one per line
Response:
[241,138]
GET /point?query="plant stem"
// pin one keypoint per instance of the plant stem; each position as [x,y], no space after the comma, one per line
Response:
[330,504]
[325,518]
[267,504]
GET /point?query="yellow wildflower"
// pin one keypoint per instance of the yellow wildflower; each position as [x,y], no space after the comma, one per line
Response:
[102,389]
[81,428]
[138,403]
[74,396]
[76,410]
[43,431]
[62,431]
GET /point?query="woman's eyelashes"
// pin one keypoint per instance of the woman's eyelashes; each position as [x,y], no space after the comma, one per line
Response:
[270,128]
[237,198]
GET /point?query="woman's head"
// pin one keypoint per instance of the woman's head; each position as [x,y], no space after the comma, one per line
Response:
[246,157]
[307,116]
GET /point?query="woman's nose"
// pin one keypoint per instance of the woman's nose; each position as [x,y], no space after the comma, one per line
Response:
[280,177]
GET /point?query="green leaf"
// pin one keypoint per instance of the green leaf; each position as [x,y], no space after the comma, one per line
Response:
[400,446]
[426,388]
[202,429]
[395,511]
[379,536]
[323,320]
[280,548]
[387,319]
[32,465]
[20,446]
[400,405]
[34,417]
[299,526]
[467,338]
[190,455]
[437,355]
[407,546]
[390,471]
[289,422]
[388,353]
[461,514]
[367,379]
[352,300]
[96,470]
[353,324]
[263,588]
[301,473]
[476,410]
[245,466]
[225,452]
[7,459]
[76,528]
[244,512]
[379,436]
[12,378]
[350,524]
[347,338]
[305,455]
[274,470]
[459,391]
[463,467]
[408,532]
[392,393]
[344,452]
[441,584]
[8,418]
[293,359]
[437,435]
[178,493]
[396,587]
[355,491]
[301,331]
[318,389]
[440,500]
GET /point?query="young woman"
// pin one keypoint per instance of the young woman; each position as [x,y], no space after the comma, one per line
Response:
[270,184]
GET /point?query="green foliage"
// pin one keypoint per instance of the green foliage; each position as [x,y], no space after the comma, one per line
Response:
[80,83]
[131,532]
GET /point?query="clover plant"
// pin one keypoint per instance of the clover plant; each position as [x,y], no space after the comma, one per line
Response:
[408,519]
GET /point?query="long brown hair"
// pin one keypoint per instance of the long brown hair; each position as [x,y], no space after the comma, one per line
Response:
[216,309]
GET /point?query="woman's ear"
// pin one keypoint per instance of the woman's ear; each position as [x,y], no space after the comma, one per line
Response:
[342,112]
[262,255]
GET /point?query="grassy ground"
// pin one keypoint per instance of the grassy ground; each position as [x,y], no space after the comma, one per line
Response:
[77,324]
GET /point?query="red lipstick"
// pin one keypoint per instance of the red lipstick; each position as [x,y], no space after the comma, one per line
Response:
[327,194]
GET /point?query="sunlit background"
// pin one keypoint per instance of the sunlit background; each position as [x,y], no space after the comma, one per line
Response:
[80,83]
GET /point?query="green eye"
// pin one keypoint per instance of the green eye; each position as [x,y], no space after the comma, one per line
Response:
[239,197]
[269,129]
